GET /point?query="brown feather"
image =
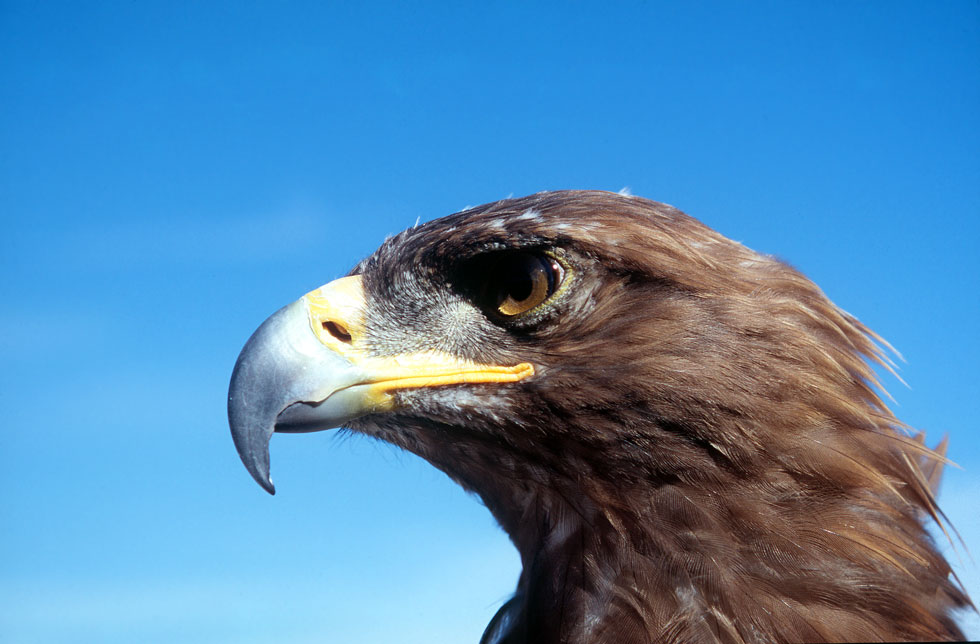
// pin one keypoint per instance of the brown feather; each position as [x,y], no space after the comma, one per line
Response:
[703,454]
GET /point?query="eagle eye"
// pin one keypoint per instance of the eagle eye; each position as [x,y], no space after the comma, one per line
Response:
[515,283]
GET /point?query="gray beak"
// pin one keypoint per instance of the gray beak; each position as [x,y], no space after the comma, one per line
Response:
[284,366]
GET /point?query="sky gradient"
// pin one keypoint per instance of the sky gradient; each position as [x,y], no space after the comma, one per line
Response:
[171,174]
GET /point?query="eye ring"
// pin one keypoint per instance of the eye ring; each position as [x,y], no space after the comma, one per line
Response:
[516,283]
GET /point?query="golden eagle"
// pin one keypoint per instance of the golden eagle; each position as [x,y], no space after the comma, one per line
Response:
[681,436]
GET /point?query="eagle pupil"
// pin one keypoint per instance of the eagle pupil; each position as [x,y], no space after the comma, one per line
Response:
[525,281]
[519,286]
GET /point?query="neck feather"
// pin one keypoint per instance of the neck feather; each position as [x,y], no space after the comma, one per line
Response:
[739,561]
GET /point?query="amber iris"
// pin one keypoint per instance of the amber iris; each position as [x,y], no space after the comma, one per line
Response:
[521,281]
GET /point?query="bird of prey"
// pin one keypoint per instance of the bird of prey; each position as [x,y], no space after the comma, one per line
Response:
[682,437]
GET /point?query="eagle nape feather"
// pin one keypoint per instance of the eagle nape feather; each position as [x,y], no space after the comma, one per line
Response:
[683,438]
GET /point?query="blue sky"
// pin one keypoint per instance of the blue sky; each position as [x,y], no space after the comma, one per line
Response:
[172,173]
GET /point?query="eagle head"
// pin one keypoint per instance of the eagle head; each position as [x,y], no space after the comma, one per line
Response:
[682,437]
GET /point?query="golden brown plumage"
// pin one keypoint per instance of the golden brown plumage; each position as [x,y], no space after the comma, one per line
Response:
[700,454]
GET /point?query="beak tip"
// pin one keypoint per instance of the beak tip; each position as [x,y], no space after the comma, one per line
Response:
[266,483]
[260,474]
[268,486]
[256,461]
[253,448]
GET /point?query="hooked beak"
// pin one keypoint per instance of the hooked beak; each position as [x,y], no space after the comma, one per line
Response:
[308,368]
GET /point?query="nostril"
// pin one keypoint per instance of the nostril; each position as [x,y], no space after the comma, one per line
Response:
[337,330]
